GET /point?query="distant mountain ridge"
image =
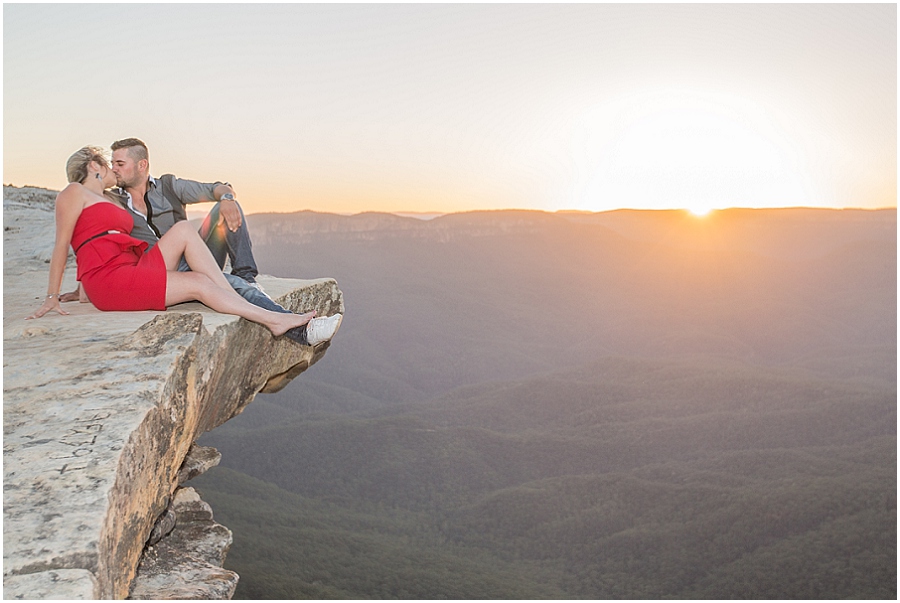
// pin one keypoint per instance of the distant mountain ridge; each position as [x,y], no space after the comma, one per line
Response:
[791,232]
[269,228]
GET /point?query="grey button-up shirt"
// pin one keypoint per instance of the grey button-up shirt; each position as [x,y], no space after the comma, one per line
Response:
[165,212]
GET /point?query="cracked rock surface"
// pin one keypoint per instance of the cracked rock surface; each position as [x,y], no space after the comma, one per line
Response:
[187,564]
[101,409]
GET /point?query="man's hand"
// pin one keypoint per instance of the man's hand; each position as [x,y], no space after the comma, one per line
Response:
[71,295]
[228,209]
[76,295]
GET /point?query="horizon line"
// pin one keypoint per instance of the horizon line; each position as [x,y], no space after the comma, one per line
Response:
[420,214]
[434,214]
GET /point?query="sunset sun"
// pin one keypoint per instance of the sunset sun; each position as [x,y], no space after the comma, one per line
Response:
[699,211]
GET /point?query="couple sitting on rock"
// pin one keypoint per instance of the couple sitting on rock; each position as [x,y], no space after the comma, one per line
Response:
[136,251]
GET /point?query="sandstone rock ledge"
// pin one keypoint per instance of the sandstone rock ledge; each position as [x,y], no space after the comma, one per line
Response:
[101,409]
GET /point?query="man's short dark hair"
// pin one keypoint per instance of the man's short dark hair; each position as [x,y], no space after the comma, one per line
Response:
[136,148]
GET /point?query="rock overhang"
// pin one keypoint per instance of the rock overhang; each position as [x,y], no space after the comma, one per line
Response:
[101,408]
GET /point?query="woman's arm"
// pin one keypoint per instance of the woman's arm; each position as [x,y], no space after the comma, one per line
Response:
[69,204]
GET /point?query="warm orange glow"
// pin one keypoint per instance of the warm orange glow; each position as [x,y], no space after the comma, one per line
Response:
[696,149]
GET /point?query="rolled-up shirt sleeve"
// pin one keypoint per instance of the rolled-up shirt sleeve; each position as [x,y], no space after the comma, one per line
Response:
[191,191]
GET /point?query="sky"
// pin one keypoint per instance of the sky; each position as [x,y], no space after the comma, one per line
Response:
[442,108]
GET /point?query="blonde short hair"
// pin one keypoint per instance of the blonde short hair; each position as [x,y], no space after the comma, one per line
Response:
[77,165]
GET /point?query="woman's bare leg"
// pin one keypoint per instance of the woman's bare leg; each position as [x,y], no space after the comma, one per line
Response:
[182,239]
[189,286]
[207,284]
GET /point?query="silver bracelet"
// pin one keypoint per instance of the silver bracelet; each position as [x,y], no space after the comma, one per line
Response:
[49,295]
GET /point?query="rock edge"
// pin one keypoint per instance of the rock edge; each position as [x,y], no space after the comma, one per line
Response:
[101,408]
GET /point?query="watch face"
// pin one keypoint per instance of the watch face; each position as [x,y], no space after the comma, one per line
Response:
[227,197]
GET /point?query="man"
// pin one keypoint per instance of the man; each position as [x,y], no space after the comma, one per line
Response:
[156,204]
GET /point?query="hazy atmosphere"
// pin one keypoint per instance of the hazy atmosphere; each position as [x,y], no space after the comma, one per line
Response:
[617,405]
[540,389]
[440,108]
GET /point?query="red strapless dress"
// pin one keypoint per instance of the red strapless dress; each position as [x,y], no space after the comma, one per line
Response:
[113,268]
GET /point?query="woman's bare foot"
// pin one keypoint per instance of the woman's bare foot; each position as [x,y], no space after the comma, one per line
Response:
[283,322]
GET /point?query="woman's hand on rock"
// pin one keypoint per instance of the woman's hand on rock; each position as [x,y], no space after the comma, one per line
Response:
[50,304]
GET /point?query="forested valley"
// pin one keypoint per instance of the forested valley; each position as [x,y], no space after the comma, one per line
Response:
[619,405]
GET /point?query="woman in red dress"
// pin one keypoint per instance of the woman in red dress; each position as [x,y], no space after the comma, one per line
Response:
[113,268]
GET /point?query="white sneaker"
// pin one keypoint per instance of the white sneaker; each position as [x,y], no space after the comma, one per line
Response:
[322,329]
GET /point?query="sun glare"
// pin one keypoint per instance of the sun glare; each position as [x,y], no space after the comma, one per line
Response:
[700,211]
[683,149]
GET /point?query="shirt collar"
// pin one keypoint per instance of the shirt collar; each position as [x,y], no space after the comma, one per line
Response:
[130,203]
[151,182]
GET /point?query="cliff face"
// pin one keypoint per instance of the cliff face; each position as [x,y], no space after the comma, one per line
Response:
[101,409]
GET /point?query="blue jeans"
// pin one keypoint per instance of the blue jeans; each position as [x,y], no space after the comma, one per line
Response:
[240,285]
[223,244]
[258,298]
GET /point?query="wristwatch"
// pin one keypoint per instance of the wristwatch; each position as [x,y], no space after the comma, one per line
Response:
[227,197]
